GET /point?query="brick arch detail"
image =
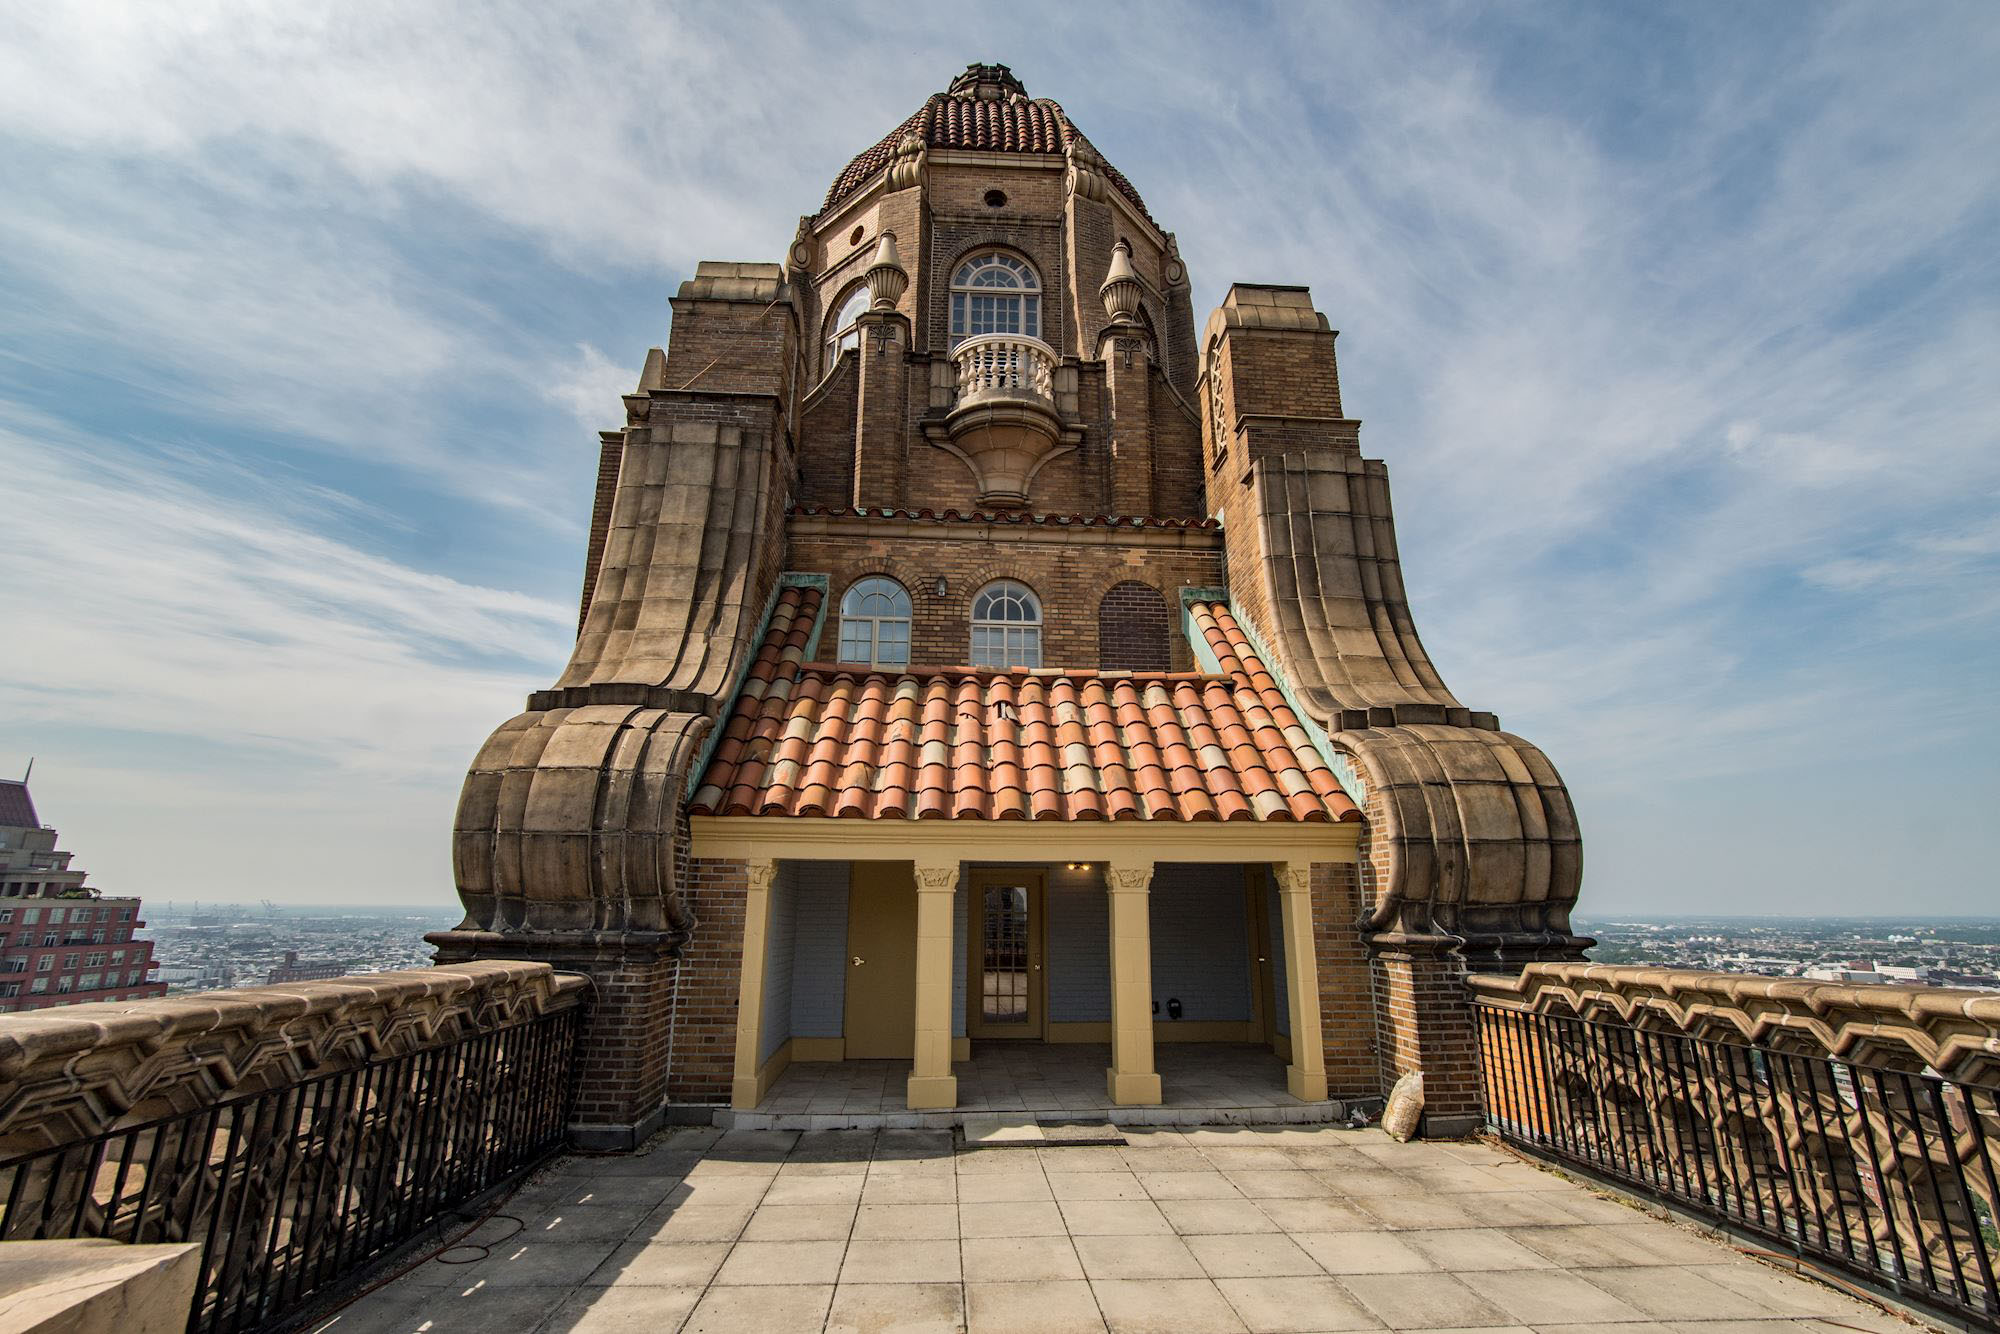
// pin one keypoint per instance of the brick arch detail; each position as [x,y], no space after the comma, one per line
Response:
[949,270]
[1134,628]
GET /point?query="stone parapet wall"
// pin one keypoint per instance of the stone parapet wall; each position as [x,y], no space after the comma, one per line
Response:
[81,1070]
[1954,1032]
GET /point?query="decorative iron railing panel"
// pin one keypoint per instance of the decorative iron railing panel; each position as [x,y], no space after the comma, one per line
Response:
[291,1189]
[1885,1173]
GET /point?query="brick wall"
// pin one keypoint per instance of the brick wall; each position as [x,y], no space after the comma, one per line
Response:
[826,437]
[1346,996]
[610,453]
[1133,629]
[1424,1022]
[621,1055]
[701,1013]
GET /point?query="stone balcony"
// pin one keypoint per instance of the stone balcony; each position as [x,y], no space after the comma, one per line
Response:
[1201,1230]
[1004,420]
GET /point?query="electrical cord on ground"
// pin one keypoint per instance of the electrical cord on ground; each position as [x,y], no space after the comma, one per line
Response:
[435,1253]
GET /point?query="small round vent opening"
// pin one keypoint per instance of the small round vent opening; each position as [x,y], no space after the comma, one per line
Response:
[854,237]
[996,199]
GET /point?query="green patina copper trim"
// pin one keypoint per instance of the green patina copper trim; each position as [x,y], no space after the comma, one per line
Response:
[789,579]
[1351,781]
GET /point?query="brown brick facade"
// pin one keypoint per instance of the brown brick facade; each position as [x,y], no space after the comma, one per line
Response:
[1133,629]
[1346,1002]
[1072,578]
[701,1017]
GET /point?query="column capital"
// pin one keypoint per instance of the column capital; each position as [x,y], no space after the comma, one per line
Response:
[937,879]
[763,873]
[1128,877]
[1293,877]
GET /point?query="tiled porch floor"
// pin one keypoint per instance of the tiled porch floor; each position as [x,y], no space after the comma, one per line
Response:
[1200,1083]
[1283,1230]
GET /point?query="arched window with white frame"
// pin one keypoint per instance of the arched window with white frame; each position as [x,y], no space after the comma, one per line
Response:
[875,623]
[995,293]
[844,329]
[1006,626]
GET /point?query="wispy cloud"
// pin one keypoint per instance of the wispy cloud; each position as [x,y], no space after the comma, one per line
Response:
[1675,327]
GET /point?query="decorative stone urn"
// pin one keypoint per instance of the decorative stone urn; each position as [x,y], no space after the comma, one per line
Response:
[1120,292]
[886,276]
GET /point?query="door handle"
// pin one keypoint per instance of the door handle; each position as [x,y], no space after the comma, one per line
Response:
[858,961]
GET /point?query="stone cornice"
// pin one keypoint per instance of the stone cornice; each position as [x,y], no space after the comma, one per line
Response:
[1954,1032]
[80,1070]
[955,528]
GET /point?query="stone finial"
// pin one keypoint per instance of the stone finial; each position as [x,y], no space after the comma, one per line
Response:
[1120,291]
[886,276]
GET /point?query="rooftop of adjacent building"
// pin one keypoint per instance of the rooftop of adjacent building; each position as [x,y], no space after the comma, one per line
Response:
[1199,1229]
[17,808]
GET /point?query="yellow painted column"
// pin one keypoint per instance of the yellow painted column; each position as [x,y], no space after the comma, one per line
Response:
[1131,1080]
[744,1093]
[932,1085]
[1305,1077]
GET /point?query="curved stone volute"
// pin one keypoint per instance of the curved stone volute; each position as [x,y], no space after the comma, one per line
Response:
[1477,849]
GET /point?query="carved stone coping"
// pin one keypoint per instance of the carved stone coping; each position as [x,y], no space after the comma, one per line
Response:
[75,1071]
[1954,1032]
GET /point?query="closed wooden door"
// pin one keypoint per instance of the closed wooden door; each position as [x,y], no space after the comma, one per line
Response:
[880,1022]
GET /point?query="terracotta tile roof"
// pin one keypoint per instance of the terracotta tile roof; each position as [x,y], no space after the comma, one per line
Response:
[992,516]
[962,743]
[960,118]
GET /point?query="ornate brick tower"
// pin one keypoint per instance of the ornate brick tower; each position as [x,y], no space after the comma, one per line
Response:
[951,603]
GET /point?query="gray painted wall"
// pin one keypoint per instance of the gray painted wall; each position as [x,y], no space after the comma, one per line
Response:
[1079,947]
[819,952]
[1274,931]
[778,950]
[1201,945]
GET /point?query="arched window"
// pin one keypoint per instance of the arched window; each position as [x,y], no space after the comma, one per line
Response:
[995,293]
[843,330]
[1006,626]
[875,623]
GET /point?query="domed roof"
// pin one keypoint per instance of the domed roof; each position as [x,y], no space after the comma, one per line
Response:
[984,110]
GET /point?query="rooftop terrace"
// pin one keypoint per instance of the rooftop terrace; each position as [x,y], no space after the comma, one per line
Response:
[1200,1229]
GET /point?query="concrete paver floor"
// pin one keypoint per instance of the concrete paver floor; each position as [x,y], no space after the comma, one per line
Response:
[1276,1230]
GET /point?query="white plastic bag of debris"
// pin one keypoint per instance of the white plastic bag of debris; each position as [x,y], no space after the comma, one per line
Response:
[1406,1107]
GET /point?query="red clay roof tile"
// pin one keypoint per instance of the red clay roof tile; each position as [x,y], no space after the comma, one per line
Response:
[971,744]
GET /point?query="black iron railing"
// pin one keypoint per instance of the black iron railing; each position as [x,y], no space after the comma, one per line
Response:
[294,1188]
[1885,1173]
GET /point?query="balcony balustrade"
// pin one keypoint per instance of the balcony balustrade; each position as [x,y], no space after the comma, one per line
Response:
[1004,422]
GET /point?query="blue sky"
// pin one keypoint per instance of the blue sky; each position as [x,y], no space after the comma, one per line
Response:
[1676,324]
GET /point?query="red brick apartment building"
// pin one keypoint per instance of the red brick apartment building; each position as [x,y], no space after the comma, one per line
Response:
[975,648]
[60,942]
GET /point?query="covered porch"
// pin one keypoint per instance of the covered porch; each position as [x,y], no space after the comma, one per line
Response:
[1043,969]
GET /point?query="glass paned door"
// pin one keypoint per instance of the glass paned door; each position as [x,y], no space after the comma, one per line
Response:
[1006,963]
